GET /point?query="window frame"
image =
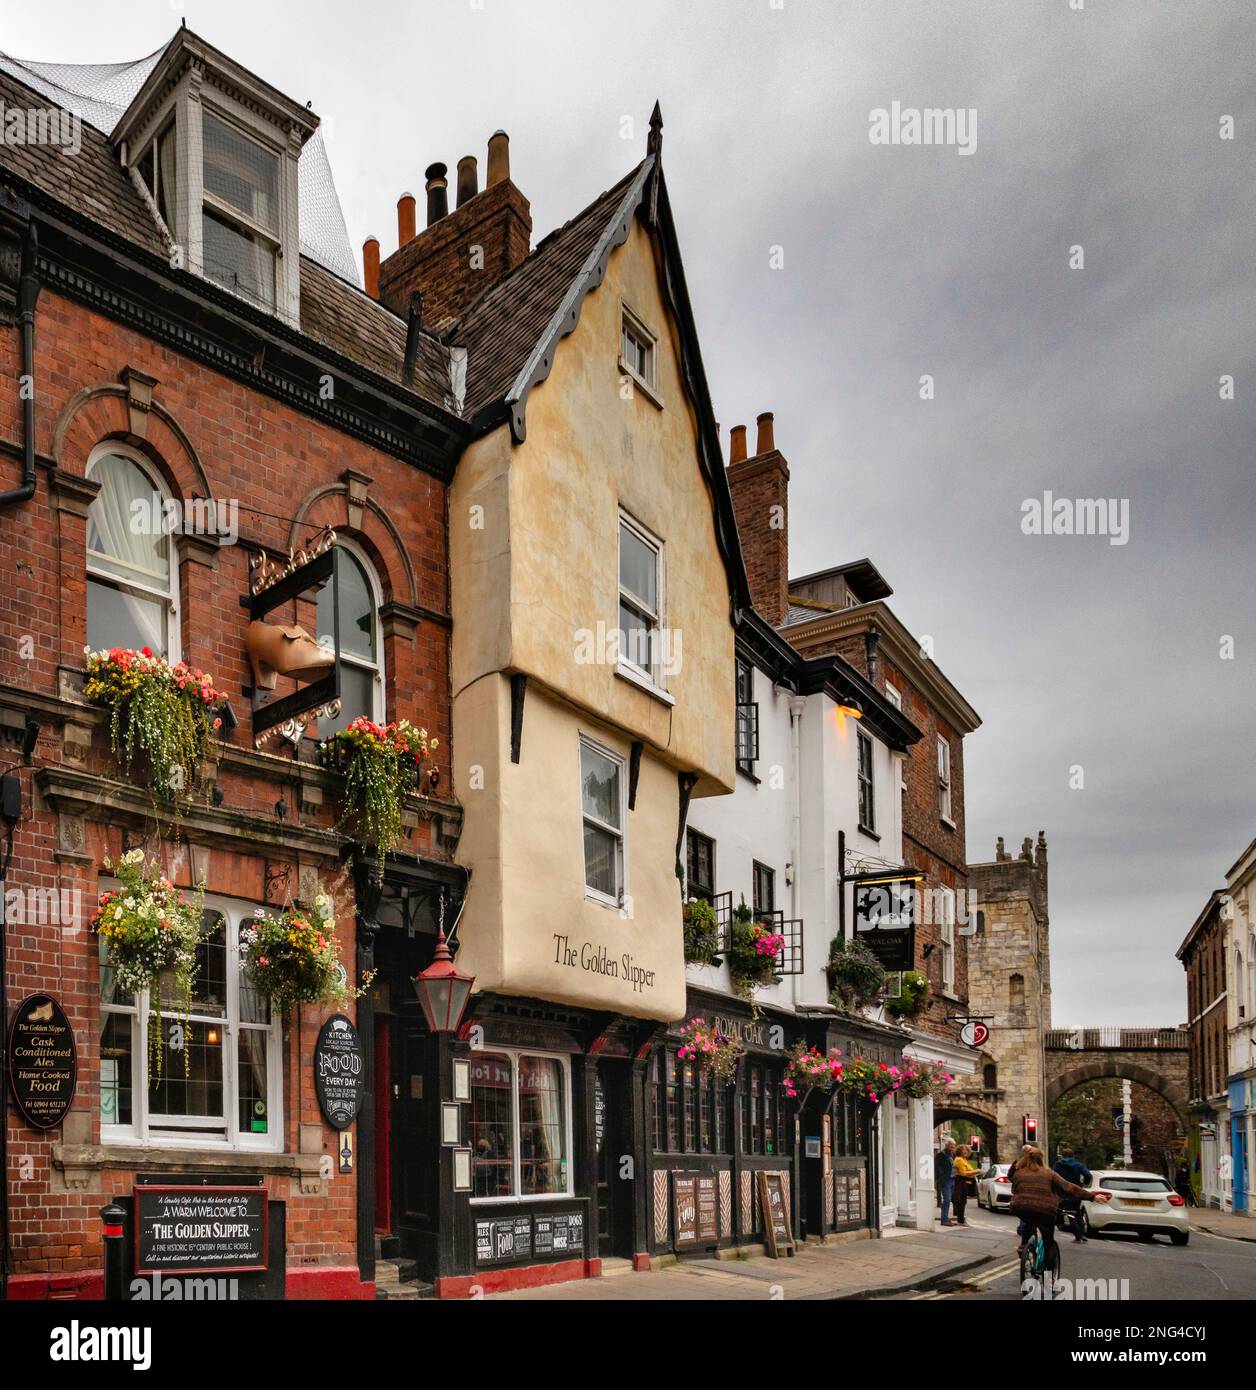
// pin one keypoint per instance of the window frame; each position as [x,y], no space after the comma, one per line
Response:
[379,686]
[213,203]
[514,1054]
[944,781]
[864,740]
[174,622]
[693,889]
[595,894]
[745,669]
[632,325]
[651,676]
[141,1133]
[946,936]
[765,872]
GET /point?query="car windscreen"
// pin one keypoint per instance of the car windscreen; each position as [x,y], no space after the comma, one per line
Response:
[1134,1184]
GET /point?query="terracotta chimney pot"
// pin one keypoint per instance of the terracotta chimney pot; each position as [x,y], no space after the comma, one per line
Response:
[765,443]
[370,266]
[468,178]
[498,158]
[737,444]
[405,219]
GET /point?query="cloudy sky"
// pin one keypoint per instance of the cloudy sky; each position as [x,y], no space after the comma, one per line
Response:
[1097,127]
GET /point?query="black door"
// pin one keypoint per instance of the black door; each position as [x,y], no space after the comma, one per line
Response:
[615,1184]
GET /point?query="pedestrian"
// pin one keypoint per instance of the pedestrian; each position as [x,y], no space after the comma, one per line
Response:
[944,1178]
[1182,1184]
[965,1181]
[1036,1193]
[1072,1170]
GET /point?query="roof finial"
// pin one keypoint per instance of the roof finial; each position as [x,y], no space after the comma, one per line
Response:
[654,142]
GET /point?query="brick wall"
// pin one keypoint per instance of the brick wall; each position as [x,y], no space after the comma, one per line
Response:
[209,435]
[760,488]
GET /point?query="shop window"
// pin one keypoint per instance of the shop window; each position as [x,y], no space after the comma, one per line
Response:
[762,1125]
[692,1111]
[602,801]
[219,1081]
[699,865]
[132,570]
[520,1125]
[361,651]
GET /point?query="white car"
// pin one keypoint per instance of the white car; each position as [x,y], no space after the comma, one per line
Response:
[1144,1203]
[994,1188]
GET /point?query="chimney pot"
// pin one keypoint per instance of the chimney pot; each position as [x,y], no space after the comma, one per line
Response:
[468,178]
[737,444]
[405,219]
[370,266]
[765,443]
[437,186]
[498,158]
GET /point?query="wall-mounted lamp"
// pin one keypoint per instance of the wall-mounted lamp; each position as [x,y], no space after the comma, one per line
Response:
[850,706]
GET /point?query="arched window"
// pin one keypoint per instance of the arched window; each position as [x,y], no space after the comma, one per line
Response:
[361,650]
[132,567]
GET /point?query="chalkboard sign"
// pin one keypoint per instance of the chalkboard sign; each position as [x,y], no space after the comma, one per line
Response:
[848,1197]
[339,1071]
[775,1211]
[190,1230]
[558,1232]
[43,1061]
[509,1239]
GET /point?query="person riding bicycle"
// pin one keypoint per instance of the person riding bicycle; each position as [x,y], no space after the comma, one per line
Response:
[1072,1170]
[1036,1193]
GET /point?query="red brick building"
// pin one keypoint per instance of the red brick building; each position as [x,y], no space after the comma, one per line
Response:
[1202,954]
[163,335]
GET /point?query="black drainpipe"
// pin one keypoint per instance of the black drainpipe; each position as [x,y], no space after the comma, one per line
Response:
[27,294]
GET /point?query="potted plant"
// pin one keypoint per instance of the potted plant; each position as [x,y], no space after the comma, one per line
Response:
[855,974]
[713,1052]
[293,956]
[912,997]
[869,1081]
[152,933]
[702,933]
[380,763]
[754,951]
[919,1080]
[165,712]
[809,1069]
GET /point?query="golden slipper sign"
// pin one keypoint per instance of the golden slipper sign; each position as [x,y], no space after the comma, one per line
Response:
[597,960]
[43,1061]
[285,649]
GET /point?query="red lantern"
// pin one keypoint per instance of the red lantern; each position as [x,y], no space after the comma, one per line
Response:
[443,990]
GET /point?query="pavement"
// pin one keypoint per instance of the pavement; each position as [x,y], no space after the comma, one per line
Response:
[899,1261]
[1223,1223]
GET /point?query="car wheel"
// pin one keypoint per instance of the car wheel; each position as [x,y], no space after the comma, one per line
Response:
[1085,1225]
[1179,1237]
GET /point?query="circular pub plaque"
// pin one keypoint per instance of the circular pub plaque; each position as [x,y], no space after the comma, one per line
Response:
[339,1071]
[43,1061]
[974,1033]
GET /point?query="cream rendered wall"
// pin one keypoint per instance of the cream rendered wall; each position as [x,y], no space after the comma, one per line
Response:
[534,537]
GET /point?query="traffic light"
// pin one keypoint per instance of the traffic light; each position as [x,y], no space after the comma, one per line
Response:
[1031,1129]
[975,1143]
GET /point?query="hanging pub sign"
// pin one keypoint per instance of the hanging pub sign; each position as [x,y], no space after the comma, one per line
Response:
[339,1071]
[43,1061]
[885,921]
[974,1033]
[284,649]
[191,1230]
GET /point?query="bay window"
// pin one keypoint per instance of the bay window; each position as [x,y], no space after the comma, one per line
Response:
[520,1125]
[210,1079]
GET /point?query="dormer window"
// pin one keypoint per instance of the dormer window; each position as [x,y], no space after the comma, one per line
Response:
[216,150]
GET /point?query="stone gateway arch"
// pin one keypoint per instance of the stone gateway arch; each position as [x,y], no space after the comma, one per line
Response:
[1154,1057]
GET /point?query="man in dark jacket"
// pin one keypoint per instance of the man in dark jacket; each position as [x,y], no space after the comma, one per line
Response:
[1075,1171]
[944,1178]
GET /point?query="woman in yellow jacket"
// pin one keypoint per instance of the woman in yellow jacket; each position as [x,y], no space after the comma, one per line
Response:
[965,1181]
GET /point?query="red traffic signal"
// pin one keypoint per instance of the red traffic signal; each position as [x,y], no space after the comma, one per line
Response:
[1031,1129]
[975,1143]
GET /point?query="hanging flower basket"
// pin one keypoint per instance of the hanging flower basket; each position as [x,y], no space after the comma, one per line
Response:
[713,1052]
[702,933]
[754,952]
[809,1069]
[855,974]
[919,1080]
[293,957]
[168,713]
[869,1081]
[913,997]
[380,765]
[152,933]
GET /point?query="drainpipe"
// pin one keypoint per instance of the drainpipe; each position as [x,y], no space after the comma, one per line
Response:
[27,294]
[796,706]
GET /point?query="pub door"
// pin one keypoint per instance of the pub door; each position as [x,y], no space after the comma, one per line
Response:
[612,1111]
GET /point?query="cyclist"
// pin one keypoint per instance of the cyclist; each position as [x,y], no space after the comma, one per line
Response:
[1036,1193]
[1075,1171]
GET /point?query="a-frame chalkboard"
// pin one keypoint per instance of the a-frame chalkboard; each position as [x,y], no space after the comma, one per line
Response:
[777,1228]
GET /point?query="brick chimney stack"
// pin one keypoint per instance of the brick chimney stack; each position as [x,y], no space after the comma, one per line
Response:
[760,488]
[463,251]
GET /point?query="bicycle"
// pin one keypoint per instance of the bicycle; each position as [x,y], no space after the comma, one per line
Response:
[1034,1267]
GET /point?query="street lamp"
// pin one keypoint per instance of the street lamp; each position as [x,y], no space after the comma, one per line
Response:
[443,990]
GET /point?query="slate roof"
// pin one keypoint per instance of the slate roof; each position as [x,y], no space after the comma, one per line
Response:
[503,326]
[333,312]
